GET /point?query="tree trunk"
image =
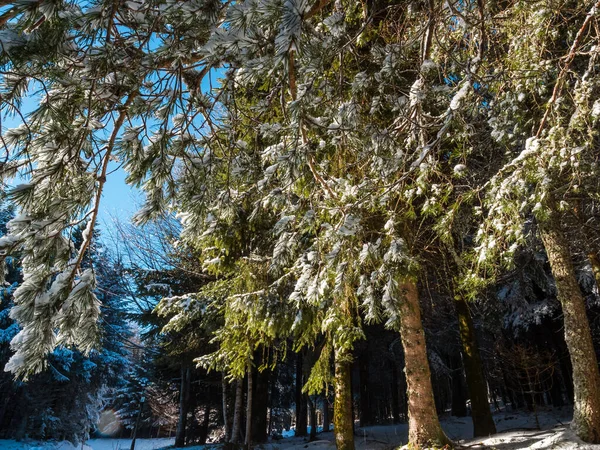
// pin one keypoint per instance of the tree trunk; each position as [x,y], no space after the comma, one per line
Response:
[272,389]
[224,406]
[260,404]
[483,423]
[586,377]
[237,412]
[249,408]
[326,418]
[395,397]
[301,419]
[365,407]
[343,426]
[423,425]
[459,403]
[191,432]
[203,432]
[184,403]
[137,424]
[312,415]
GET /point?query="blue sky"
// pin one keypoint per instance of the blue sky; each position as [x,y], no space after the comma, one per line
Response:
[119,200]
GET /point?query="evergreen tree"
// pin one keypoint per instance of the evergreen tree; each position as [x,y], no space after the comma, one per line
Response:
[313,182]
[65,401]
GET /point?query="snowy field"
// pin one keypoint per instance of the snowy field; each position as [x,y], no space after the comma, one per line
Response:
[515,431]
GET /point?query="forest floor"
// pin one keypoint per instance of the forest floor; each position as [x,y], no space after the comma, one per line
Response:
[516,430]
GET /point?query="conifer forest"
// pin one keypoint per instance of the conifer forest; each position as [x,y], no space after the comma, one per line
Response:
[355,224]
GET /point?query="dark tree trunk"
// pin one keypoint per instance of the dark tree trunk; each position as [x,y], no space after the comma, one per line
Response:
[363,373]
[226,419]
[249,407]
[423,425]
[586,377]
[395,397]
[459,402]
[312,415]
[6,400]
[301,418]
[203,431]
[260,406]
[564,363]
[343,426]
[519,396]
[556,391]
[137,424]
[483,423]
[16,418]
[237,414]
[326,418]
[191,432]
[272,389]
[184,403]
[554,385]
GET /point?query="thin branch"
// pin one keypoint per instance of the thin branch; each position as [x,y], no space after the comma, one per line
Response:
[102,181]
[310,159]
[318,6]
[568,60]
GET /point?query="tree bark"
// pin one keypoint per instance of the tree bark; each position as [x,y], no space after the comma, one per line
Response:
[191,431]
[326,418]
[312,415]
[224,406]
[365,406]
[203,434]
[423,425]
[483,423]
[459,402]
[137,424]
[395,397]
[184,403]
[272,389]
[237,412]
[301,419]
[343,426]
[249,408]
[260,405]
[586,377]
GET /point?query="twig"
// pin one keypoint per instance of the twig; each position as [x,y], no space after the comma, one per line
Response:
[568,60]
[310,160]
[102,182]
[318,6]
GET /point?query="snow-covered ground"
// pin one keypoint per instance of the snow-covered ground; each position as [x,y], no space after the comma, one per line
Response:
[125,444]
[92,444]
[515,431]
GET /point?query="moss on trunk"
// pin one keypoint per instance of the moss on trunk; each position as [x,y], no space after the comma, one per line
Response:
[483,423]
[586,377]
[342,409]
[424,428]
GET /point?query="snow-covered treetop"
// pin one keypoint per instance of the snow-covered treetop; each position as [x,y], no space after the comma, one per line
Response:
[343,142]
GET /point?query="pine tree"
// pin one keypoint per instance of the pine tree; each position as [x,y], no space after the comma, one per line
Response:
[313,180]
[65,401]
[539,180]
